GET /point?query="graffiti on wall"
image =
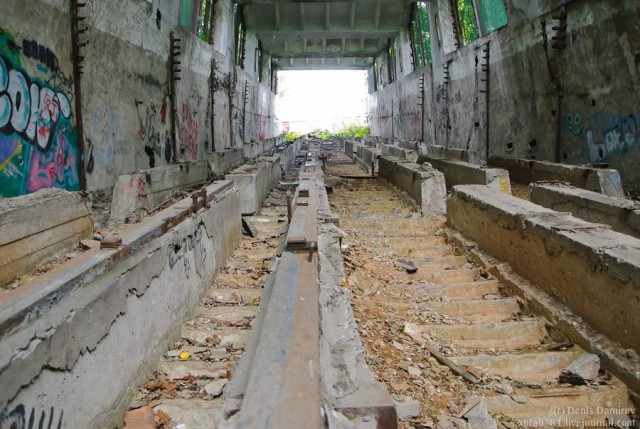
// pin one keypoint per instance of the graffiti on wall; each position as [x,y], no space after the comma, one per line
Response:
[38,141]
[19,418]
[152,132]
[605,133]
[188,130]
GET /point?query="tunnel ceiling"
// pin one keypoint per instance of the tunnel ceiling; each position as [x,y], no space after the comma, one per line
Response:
[325,34]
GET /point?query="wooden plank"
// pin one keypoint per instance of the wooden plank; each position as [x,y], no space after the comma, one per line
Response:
[37,212]
[16,258]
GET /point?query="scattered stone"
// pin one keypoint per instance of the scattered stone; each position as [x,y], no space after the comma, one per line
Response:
[140,418]
[467,266]
[477,414]
[111,243]
[409,266]
[503,388]
[633,355]
[344,248]
[249,228]
[407,409]
[414,371]
[215,388]
[173,353]
[90,244]
[585,368]
[520,399]
[440,233]
[448,422]
[136,404]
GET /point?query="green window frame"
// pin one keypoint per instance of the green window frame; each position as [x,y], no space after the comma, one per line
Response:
[240,34]
[204,31]
[420,35]
[187,11]
[477,18]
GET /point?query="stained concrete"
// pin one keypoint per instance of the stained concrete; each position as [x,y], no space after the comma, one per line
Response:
[30,236]
[113,309]
[620,214]
[464,173]
[255,181]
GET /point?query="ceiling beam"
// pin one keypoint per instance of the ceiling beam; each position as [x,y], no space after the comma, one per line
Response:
[352,16]
[283,55]
[302,16]
[376,18]
[327,16]
[276,11]
[249,2]
[324,34]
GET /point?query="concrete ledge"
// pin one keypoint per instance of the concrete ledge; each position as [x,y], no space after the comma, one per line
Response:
[367,156]
[436,151]
[222,162]
[605,181]
[116,310]
[389,150]
[146,190]
[422,182]
[351,147]
[463,173]
[619,213]
[31,236]
[255,181]
[593,270]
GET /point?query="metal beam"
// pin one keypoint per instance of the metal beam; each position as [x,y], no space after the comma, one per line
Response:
[276,11]
[376,18]
[302,16]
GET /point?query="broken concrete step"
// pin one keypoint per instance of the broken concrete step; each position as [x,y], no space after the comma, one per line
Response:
[177,369]
[478,311]
[563,407]
[229,316]
[484,336]
[445,260]
[527,367]
[235,296]
[221,337]
[435,275]
[193,413]
[460,291]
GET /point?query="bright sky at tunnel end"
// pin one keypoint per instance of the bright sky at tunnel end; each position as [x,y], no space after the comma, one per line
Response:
[326,99]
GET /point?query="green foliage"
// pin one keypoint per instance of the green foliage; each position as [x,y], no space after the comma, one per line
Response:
[468,25]
[289,137]
[354,131]
[420,35]
[321,134]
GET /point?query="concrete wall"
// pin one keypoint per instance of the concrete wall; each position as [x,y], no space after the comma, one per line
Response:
[126,102]
[511,93]
[255,181]
[116,310]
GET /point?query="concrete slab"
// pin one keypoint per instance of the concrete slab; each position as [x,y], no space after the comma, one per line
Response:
[478,311]
[176,369]
[458,172]
[603,180]
[235,338]
[461,291]
[620,214]
[229,316]
[235,296]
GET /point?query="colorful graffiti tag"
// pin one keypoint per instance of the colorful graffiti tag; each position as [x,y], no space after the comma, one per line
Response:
[606,133]
[38,141]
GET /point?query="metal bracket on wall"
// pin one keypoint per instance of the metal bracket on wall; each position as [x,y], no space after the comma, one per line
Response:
[174,75]
[77,32]
[560,37]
